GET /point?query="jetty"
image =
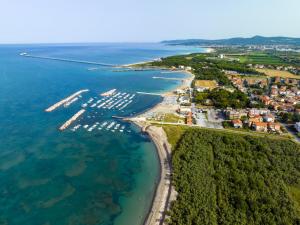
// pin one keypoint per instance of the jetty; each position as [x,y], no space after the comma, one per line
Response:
[148,93]
[108,93]
[66,100]
[68,60]
[71,120]
[169,78]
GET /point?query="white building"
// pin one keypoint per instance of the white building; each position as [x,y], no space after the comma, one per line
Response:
[297,126]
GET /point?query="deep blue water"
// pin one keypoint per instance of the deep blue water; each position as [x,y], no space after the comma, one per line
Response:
[48,177]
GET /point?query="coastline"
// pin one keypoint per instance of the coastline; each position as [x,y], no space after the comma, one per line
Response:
[165,192]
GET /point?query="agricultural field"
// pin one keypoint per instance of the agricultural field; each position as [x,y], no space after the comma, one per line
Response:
[278,73]
[259,58]
[211,84]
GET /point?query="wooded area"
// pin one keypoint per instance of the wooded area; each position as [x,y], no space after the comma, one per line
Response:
[226,178]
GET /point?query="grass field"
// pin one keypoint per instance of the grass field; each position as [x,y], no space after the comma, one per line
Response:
[277,73]
[211,84]
[259,58]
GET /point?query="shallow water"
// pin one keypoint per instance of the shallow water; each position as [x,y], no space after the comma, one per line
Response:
[99,177]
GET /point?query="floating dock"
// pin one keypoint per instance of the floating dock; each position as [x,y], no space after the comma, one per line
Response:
[108,93]
[71,120]
[64,101]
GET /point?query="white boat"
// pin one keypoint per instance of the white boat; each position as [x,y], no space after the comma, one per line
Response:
[84,105]
[90,100]
[110,125]
[85,126]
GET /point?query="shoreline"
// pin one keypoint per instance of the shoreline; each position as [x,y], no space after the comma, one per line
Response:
[164,193]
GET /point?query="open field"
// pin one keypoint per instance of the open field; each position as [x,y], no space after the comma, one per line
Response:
[211,84]
[277,73]
[259,58]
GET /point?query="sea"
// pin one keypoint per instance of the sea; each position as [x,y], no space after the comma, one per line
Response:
[100,170]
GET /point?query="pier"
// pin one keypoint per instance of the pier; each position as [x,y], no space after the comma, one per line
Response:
[69,60]
[169,78]
[71,120]
[108,93]
[64,101]
[148,93]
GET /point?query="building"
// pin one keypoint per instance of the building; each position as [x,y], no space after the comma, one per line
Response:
[183,110]
[255,119]
[260,126]
[184,100]
[265,100]
[237,123]
[269,118]
[235,114]
[297,126]
[274,127]
[189,118]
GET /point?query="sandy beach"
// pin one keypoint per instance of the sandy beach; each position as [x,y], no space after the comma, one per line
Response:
[165,193]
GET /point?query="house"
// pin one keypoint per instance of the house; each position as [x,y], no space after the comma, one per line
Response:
[274,127]
[184,100]
[297,126]
[234,114]
[265,100]
[183,110]
[181,67]
[237,123]
[260,126]
[277,80]
[255,112]
[180,91]
[189,118]
[274,91]
[269,118]
[188,68]
[255,119]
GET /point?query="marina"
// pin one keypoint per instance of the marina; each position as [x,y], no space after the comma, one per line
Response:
[95,109]
[66,100]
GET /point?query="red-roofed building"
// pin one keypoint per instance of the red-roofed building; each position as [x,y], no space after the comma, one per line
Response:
[260,126]
[237,123]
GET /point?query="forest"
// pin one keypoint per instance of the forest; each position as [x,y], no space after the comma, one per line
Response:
[229,178]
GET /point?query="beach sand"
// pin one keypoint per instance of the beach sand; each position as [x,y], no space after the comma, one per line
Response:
[165,192]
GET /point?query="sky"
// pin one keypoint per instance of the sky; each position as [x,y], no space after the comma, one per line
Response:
[74,21]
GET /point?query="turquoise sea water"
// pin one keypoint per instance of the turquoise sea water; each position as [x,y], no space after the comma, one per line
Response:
[49,177]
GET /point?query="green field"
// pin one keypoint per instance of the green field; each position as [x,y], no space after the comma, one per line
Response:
[231,178]
[260,58]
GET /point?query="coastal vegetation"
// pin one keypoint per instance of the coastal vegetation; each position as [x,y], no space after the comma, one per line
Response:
[222,98]
[206,66]
[230,178]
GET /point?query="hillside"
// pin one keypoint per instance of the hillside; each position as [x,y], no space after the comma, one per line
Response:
[256,40]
